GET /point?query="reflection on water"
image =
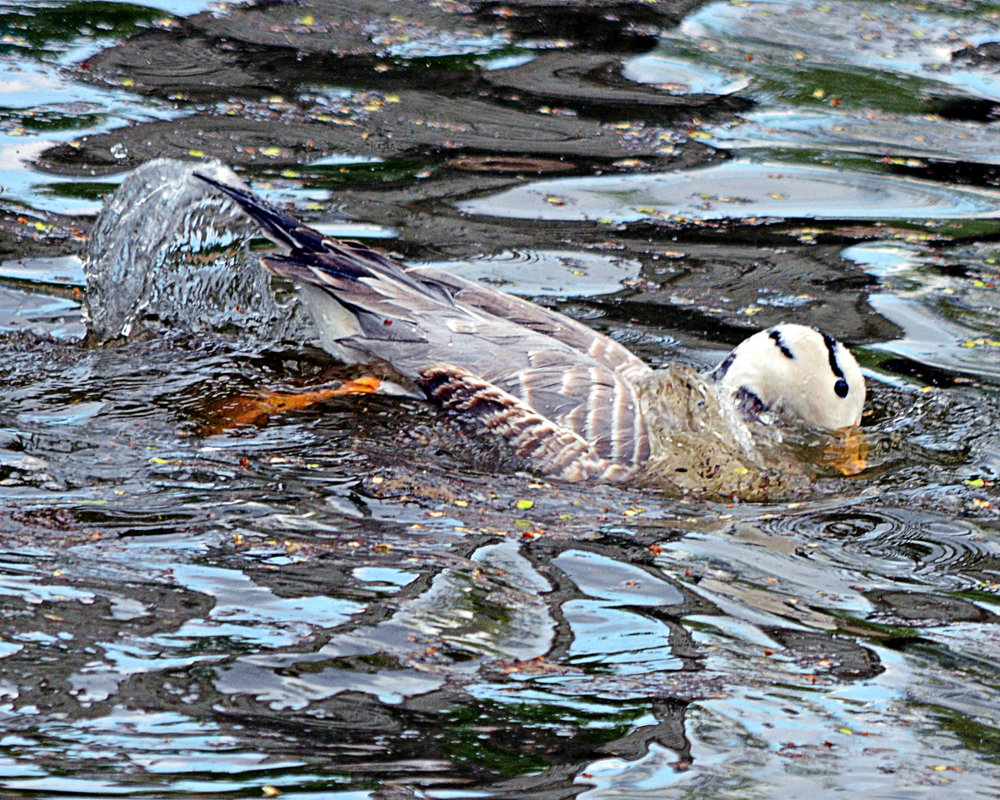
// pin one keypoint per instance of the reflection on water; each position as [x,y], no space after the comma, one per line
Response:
[915,42]
[939,299]
[549,273]
[678,76]
[355,599]
[902,138]
[738,190]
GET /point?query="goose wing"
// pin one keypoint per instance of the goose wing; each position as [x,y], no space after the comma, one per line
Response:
[575,380]
[581,338]
[591,389]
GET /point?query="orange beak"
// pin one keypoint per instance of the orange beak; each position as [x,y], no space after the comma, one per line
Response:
[848,452]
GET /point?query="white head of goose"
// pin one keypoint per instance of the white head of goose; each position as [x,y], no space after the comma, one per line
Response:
[572,403]
[798,372]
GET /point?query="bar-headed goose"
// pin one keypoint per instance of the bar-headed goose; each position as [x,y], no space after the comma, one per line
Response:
[572,403]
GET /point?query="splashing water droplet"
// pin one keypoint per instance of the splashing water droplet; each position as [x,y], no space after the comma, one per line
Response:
[168,255]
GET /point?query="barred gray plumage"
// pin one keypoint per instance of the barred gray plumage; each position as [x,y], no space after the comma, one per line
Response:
[571,402]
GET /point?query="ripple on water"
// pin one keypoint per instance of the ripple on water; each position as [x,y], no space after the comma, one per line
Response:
[552,273]
[944,299]
[202,755]
[737,190]
[58,316]
[682,76]
[445,44]
[908,40]
[609,635]
[861,131]
[907,545]
[55,270]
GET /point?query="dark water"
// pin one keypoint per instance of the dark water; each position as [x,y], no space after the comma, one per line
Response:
[353,600]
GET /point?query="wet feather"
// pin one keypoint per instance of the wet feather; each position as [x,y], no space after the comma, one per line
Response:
[569,401]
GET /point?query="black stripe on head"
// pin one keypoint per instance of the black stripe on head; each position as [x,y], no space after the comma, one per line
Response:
[840,387]
[775,335]
[720,371]
[749,404]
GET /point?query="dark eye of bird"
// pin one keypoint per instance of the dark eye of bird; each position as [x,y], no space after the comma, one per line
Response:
[841,388]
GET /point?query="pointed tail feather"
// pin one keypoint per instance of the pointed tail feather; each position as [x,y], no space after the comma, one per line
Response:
[310,249]
[281,228]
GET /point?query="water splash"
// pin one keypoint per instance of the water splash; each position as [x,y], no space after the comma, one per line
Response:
[168,255]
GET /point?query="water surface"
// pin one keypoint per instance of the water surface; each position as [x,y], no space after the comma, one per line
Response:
[357,599]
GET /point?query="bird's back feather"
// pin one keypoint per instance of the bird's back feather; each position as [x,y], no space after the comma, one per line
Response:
[566,383]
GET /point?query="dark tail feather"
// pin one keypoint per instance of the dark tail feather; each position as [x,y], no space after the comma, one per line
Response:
[281,228]
[304,267]
[312,251]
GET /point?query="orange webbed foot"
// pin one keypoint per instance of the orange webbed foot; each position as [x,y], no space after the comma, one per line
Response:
[258,407]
